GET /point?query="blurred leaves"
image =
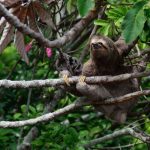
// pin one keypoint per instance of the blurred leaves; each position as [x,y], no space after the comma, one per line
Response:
[71,6]
[111,26]
[84,6]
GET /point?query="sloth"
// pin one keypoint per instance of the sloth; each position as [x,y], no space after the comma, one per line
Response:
[106,58]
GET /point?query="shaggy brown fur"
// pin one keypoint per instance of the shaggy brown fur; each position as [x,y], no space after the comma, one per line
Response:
[106,59]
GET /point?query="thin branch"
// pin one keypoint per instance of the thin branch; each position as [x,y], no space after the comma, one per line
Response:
[47,117]
[79,41]
[26,144]
[12,70]
[140,113]
[79,103]
[57,82]
[69,36]
[127,131]
[120,147]
[142,52]
[126,97]
[59,94]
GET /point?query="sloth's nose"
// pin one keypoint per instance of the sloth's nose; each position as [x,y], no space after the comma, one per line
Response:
[95,46]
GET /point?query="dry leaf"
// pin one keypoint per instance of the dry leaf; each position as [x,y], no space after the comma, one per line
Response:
[45,17]
[19,43]
[6,36]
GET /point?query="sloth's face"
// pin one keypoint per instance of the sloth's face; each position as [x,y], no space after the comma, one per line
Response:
[99,47]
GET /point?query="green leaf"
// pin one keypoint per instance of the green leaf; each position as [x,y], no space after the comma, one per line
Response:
[39,107]
[70,4]
[73,133]
[83,134]
[79,148]
[17,115]
[101,22]
[119,21]
[68,139]
[134,22]
[32,109]
[74,115]
[4,132]
[84,6]
[77,124]
[23,108]
[116,13]
[105,30]
[147,12]
[95,130]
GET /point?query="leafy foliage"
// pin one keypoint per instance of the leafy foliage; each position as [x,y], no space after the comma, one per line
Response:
[112,25]
[134,22]
[84,6]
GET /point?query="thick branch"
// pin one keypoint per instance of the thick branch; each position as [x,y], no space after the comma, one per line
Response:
[79,103]
[127,131]
[58,82]
[69,36]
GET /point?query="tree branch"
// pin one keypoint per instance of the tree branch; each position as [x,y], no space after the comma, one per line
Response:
[57,82]
[69,36]
[79,103]
[127,131]
[123,98]
[120,147]
[26,144]
[47,117]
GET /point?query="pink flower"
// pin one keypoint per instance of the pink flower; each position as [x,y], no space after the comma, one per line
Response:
[48,52]
[28,46]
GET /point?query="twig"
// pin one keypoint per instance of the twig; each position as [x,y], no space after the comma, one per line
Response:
[79,41]
[120,147]
[60,93]
[12,70]
[127,131]
[142,52]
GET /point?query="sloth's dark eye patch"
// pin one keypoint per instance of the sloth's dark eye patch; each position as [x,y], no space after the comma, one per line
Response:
[100,44]
[97,45]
